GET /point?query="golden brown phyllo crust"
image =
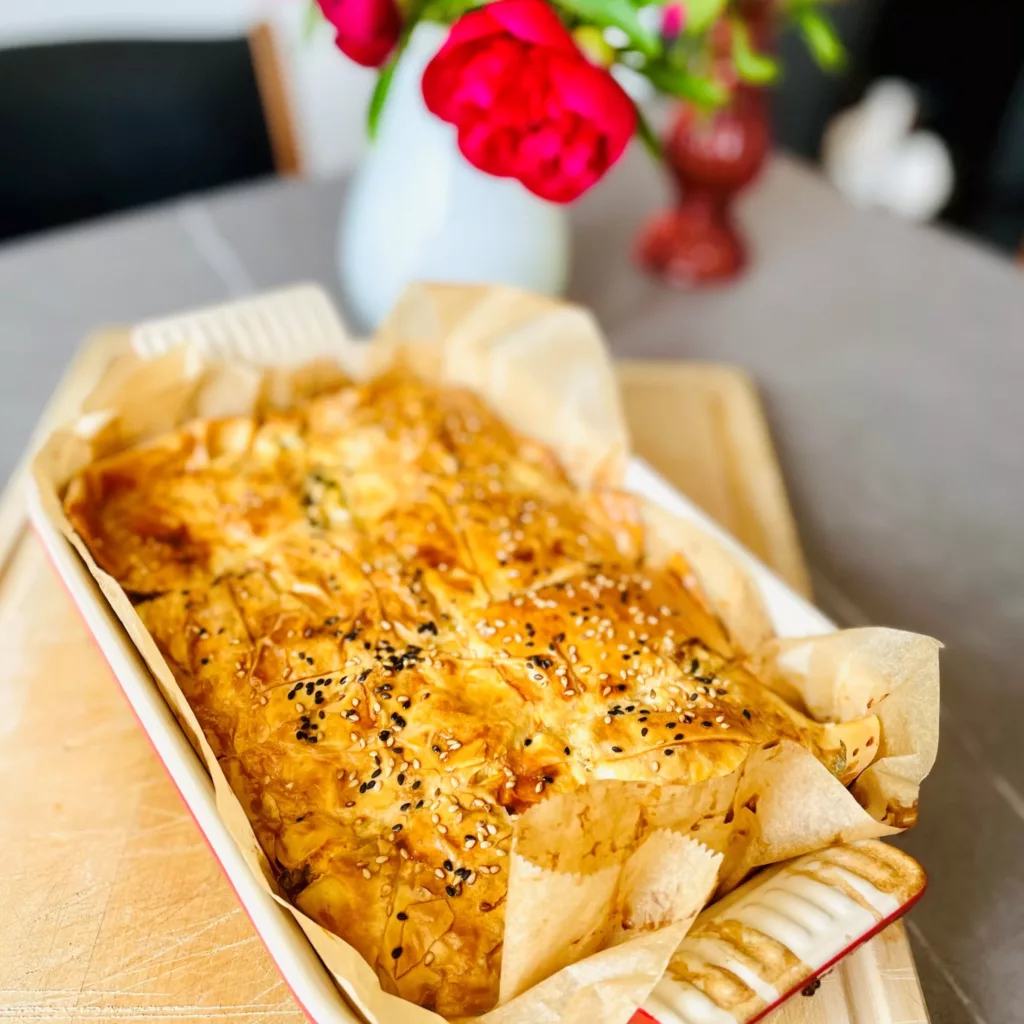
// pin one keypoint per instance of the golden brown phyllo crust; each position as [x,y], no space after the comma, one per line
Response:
[400,626]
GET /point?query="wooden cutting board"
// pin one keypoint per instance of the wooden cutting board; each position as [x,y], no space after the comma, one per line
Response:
[111,907]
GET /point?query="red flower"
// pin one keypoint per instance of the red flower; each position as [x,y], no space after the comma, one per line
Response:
[673,20]
[526,102]
[367,30]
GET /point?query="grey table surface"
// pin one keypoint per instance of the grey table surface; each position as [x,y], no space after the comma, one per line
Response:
[891,361]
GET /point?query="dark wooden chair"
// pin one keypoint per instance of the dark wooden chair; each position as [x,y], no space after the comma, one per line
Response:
[89,128]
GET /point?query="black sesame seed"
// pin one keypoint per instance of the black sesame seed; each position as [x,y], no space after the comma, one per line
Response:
[644,731]
[435,748]
[396,828]
[448,865]
[402,916]
[567,750]
[375,773]
[401,779]
[383,735]
[678,736]
[706,724]
[321,715]
[204,661]
[451,890]
[746,713]
[396,952]
[419,804]
[527,742]
[618,750]
[415,785]
[548,779]
[668,751]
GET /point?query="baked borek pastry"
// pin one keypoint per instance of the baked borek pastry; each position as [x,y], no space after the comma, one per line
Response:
[400,626]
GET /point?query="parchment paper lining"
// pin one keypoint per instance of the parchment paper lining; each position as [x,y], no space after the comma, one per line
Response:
[604,883]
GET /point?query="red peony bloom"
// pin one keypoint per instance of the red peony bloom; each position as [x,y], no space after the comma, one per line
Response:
[367,30]
[526,102]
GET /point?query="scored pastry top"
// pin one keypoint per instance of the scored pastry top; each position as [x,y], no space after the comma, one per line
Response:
[401,625]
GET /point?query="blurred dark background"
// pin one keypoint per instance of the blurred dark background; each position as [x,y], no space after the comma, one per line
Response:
[94,127]
[966,62]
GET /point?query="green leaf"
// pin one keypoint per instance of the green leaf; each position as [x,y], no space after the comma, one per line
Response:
[312,21]
[646,134]
[413,16]
[753,67]
[701,15]
[446,11]
[826,47]
[618,14]
[380,94]
[705,92]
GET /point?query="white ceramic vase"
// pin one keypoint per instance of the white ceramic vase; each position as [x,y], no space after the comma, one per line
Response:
[417,210]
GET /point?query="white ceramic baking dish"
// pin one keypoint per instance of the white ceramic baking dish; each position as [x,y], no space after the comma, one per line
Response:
[289,327]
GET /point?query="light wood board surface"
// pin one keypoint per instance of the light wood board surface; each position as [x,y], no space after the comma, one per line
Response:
[112,910]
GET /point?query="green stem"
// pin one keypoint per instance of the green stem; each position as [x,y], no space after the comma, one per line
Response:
[647,135]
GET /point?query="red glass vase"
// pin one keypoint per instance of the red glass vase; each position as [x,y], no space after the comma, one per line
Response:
[711,158]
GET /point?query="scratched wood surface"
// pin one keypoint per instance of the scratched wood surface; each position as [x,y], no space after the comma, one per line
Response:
[112,909]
